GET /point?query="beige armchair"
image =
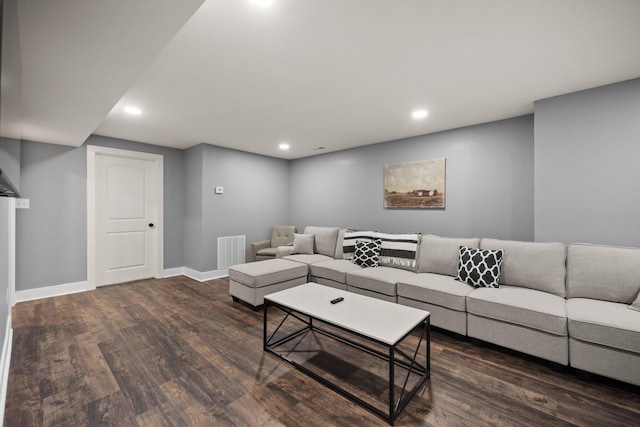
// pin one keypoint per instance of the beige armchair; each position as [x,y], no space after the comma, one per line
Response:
[281,235]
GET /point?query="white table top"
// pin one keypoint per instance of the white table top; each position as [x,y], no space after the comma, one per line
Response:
[381,320]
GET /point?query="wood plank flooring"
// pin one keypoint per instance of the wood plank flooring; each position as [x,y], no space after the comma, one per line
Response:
[175,352]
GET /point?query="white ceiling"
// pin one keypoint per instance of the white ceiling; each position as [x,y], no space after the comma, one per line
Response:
[313,73]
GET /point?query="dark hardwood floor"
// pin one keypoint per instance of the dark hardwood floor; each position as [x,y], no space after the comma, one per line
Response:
[175,352]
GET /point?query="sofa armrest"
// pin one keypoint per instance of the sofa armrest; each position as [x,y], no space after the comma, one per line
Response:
[282,251]
[255,247]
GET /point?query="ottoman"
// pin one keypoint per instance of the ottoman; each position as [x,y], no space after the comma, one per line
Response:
[252,281]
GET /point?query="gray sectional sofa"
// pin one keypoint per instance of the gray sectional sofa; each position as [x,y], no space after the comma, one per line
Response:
[570,305]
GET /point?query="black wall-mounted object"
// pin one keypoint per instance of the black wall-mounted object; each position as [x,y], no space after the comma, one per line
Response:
[6,186]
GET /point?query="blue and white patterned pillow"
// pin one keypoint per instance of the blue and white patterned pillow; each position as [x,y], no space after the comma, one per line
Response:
[367,254]
[480,268]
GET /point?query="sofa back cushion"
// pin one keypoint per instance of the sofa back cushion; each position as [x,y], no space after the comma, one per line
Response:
[440,255]
[603,272]
[398,250]
[282,235]
[339,254]
[533,265]
[303,244]
[326,239]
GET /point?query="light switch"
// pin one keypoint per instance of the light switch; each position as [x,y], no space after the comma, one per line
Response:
[219,190]
[22,203]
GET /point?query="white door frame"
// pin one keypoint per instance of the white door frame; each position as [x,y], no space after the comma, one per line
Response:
[158,161]
[12,252]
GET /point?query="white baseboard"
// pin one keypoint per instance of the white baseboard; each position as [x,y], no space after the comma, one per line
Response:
[171,272]
[206,275]
[51,291]
[200,276]
[5,363]
[71,288]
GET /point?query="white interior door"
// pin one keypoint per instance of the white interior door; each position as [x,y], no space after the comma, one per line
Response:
[127,217]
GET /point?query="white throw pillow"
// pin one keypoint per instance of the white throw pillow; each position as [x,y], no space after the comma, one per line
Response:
[636,304]
[303,243]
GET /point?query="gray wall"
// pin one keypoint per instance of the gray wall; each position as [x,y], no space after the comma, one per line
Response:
[255,198]
[587,148]
[489,192]
[192,222]
[51,236]
[51,247]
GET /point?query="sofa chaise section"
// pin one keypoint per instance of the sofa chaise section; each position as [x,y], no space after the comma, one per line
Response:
[252,281]
[602,282]
[528,312]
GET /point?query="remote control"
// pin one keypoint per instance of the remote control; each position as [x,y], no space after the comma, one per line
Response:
[337,300]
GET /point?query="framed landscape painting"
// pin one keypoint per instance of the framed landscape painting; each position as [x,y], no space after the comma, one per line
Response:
[419,184]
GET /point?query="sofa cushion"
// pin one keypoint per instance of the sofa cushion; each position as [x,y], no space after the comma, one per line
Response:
[367,254]
[303,243]
[436,289]
[603,272]
[326,239]
[441,254]
[263,273]
[479,268]
[533,265]
[521,306]
[335,269]
[398,250]
[350,238]
[380,279]
[605,323]
[636,304]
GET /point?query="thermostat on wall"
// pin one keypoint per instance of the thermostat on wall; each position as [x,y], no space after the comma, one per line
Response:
[219,190]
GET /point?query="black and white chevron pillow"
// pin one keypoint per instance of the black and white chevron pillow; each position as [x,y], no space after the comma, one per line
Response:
[480,268]
[367,254]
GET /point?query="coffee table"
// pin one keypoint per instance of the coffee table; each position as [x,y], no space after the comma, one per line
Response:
[373,326]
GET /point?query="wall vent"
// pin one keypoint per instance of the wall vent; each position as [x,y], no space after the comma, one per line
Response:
[231,251]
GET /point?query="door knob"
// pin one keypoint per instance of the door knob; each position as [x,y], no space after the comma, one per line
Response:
[150,225]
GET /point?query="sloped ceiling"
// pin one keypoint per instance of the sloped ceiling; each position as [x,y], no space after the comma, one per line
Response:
[78,58]
[313,73]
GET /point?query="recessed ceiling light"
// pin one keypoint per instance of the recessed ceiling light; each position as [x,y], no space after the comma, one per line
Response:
[132,110]
[283,146]
[419,114]
[262,3]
